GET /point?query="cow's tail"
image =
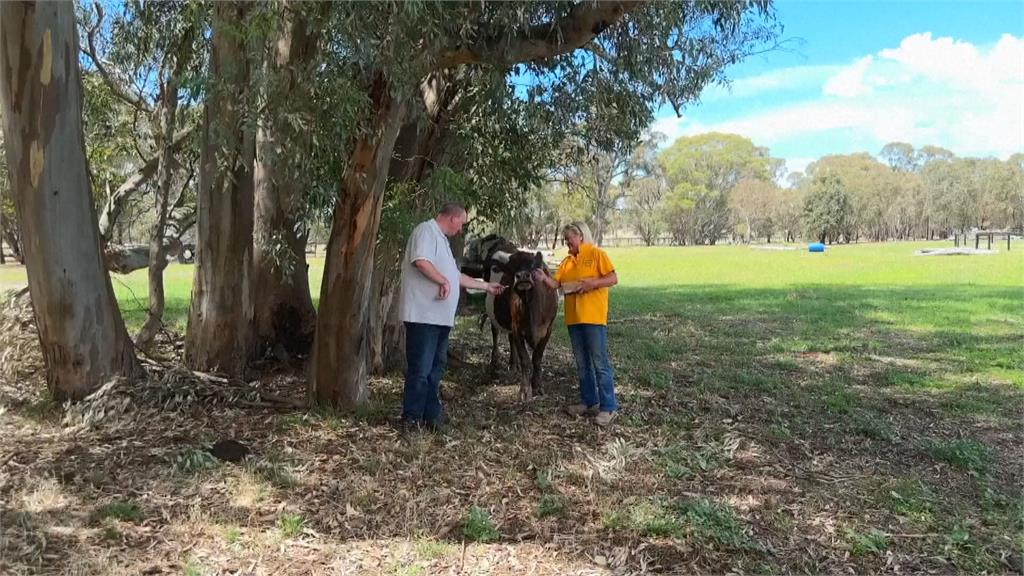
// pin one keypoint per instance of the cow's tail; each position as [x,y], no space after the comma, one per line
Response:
[482,320]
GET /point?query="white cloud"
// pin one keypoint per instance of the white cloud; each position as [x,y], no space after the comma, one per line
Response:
[790,78]
[849,82]
[941,91]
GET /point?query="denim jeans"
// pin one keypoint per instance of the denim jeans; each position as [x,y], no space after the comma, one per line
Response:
[426,354]
[597,381]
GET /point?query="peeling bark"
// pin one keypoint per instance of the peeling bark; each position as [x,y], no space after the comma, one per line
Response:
[339,369]
[81,331]
[285,319]
[219,333]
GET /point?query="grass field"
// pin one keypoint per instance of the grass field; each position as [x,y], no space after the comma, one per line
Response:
[853,411]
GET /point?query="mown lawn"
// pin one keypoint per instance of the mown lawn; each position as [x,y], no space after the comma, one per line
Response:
[853,411]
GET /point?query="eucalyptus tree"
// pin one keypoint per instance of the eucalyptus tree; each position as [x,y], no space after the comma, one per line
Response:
[81,332]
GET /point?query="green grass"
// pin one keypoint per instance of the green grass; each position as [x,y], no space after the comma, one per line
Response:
[700,520]
[431,549]
[827,365]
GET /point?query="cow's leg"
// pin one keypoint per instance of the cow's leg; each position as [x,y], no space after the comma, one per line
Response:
[538,357]
[514,365]
[494,351]
[525,391]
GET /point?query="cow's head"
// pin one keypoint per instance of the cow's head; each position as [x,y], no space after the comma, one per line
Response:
[518,270]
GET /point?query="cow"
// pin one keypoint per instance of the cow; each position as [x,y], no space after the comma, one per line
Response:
[526,310]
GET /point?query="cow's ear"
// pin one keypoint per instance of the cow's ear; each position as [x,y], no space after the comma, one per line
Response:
[538,259]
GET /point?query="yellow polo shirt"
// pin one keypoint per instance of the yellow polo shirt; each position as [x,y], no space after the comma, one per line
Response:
[592,307]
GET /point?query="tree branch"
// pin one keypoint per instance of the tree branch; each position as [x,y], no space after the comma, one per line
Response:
[115,202]
[134,100]
[584,22]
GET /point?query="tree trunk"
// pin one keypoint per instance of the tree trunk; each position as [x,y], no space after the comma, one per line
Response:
[339,371]
[220,320]
[285,319]
[417,149]
[3,255]
[157,250]
[81,332]
[13,242]
[383,322]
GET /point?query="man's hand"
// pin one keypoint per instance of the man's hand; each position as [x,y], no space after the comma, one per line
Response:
[444,291]
[494,289]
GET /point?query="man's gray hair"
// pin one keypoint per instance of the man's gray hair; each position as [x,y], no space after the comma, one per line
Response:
[452,209]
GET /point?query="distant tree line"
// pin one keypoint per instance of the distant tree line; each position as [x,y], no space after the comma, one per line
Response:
[714,187]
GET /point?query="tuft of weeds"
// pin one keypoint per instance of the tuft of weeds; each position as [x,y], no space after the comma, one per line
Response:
[864,543]
[291,525]
[680,463]
[124,510]
[194,460]
[713,523]
[374,412]
[872,426]
[551,505]
[273,470]
[233,535]
[656,380]
[779,432]
[966,454]
[966,553]
[908,498]
[840,401]
[111,533]
[194,568]
[479,527]
[545,479]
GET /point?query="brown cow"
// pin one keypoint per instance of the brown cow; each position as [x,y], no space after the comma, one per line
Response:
[526,310]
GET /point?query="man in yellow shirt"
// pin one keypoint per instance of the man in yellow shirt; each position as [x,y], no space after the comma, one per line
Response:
[585,276]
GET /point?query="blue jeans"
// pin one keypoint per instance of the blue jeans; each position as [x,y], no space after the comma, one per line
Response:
[426,354]
[597,381]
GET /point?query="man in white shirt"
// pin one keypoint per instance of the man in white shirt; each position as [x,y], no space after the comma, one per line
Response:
[429,297]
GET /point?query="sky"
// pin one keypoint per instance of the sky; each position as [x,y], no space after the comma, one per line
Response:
[854,76]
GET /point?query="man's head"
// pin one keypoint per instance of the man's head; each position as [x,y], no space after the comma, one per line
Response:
[451,218]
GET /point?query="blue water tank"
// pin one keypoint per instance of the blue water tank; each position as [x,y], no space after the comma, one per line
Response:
[816,247]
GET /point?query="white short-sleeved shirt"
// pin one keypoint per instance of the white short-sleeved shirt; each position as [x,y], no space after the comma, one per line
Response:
[419,301]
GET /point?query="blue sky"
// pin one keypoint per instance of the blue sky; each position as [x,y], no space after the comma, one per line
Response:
[854,76]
